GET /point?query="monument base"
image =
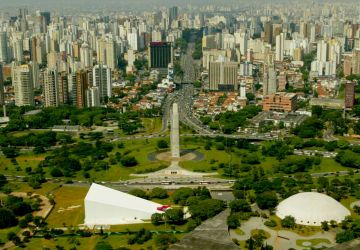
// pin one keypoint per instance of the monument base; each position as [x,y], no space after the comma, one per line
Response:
[174,170]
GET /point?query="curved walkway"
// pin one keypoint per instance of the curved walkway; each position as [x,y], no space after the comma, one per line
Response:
[282,239]
[44,211]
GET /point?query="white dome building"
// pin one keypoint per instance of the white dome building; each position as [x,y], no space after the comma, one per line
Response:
[311,208]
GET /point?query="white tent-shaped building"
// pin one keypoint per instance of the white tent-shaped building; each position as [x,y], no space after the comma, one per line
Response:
[106,206]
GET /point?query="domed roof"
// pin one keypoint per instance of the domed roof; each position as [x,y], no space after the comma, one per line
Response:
[311,208]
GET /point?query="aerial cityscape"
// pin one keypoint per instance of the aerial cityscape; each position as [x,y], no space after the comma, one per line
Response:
[163,124]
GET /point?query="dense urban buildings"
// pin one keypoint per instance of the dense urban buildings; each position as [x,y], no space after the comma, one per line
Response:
[223,110]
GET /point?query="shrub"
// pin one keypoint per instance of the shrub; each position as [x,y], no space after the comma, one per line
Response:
[7,218]
[270,223]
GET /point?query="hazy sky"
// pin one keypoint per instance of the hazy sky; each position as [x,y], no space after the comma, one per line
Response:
[96,5]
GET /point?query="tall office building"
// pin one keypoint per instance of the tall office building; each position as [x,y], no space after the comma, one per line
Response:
[46,16]
[268,32]
[279,49]
[23,85]
[349,95]
[4,52]
[51,88]
[173,14]
[223,76]
[160,54]
[102,80]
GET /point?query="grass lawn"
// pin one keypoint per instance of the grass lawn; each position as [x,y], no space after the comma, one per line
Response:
[23,161]
[347,203]
[116,241]
[4,233]
[314,242]
[328,165]
[211,159]
[239,231]
[148,226]
[69,208]
[151,125]
[26,132]
[304,231]
[260,231]
[67,243]
[24,187]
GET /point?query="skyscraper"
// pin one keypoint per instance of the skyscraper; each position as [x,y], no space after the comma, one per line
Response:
[86,55]
[102,80]
[82,84]
[110,54]
[23,85]
[243,43]
[161,54]
[2,100]
[4,56]
[63,88]
[280,40]
[173,14]
[269,80]
[321,51]
[355,62]
[268,32]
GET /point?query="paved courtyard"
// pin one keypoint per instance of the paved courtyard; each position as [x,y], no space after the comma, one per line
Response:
[282,239]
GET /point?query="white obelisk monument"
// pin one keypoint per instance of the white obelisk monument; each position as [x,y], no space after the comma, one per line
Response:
[174,136]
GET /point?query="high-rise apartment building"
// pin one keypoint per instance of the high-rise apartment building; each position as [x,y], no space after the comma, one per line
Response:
[63,88]
[86,56]
[280,46]
[269,80]
[2,98]
[106,52]
[23,85]
[93,97]
[355,62]
[82,84]
[4,52]
[51,88]
[349,95]
[102,80]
